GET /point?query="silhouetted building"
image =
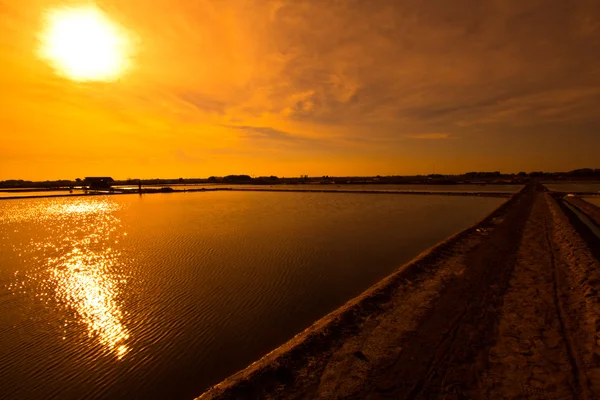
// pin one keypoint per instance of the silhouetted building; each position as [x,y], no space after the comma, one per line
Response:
[98,182]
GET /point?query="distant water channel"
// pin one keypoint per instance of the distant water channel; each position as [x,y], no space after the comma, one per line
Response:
[160,296]
[15,193]
[574,187]
[471,188]
[594,200]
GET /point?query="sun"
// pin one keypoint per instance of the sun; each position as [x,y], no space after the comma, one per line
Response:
[83,44]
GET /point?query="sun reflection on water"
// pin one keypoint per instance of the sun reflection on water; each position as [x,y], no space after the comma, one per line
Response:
[80,268]
[81,283]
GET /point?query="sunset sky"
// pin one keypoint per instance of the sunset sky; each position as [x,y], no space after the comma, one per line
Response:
[327,87]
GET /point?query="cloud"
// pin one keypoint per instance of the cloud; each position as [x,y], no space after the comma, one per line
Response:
[430,136]
[266,133]
[354,77]
[183,157]
[202,102]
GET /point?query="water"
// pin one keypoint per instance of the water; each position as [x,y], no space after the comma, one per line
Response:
[14,193]
[372,187]
[585,219]
[594,200]
[574,187]
[346,187]
[160,296]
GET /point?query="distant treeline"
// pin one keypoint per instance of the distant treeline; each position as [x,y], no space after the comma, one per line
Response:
[495,177]
[578,173]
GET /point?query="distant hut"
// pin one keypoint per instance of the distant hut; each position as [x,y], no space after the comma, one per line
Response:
[98,182]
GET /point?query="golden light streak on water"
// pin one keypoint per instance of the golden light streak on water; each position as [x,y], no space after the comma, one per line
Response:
[81,270]
[82,284]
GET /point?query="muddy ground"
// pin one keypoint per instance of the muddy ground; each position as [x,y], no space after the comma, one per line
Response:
[508,309]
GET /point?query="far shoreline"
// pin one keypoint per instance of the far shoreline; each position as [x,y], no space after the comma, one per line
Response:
[273,188]
[196,190]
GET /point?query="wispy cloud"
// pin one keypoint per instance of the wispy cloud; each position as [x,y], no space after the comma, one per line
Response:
[183,157]
[264,132]
[430,136]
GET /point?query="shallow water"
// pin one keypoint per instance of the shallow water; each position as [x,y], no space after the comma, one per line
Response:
[593,200]
[346,187]
[15,193]
[160,296]
[574,187]
[585,219]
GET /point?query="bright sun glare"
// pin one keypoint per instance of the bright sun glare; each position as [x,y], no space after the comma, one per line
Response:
[84,44]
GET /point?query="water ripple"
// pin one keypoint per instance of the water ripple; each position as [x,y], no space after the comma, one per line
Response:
[160,296]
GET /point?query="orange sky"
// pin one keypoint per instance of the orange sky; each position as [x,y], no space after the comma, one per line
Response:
[309,87]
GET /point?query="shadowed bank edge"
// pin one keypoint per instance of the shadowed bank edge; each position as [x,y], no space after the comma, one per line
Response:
[507,308]
[285,365]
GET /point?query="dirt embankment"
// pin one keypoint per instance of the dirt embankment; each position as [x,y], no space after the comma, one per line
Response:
[505,309]
[581,270]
